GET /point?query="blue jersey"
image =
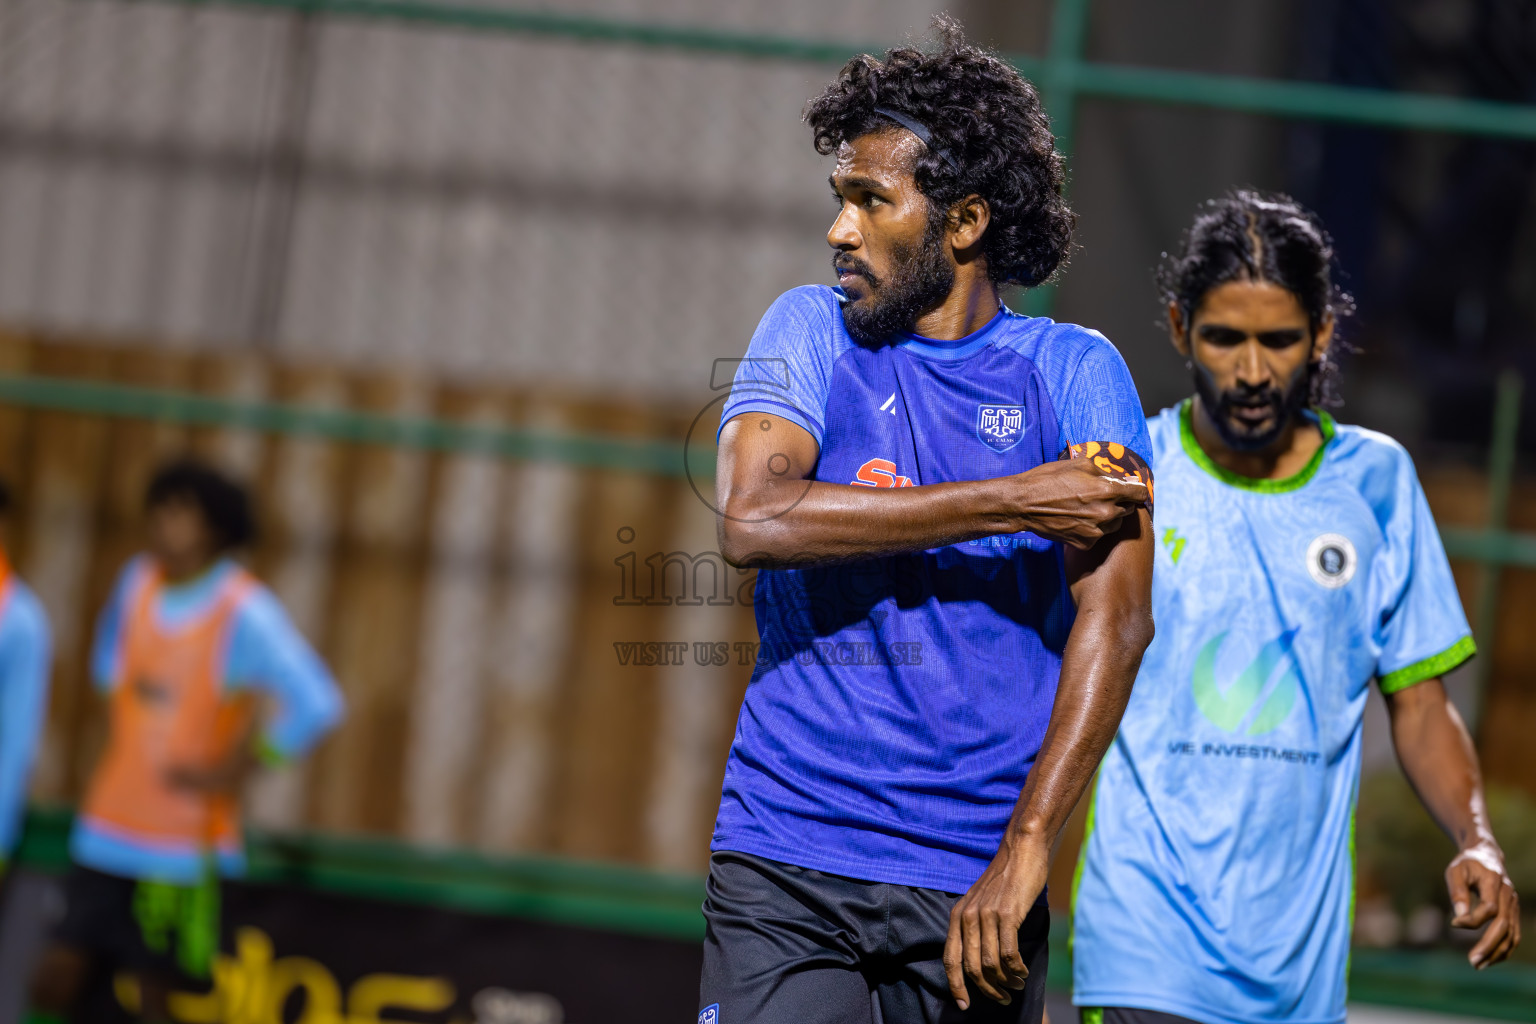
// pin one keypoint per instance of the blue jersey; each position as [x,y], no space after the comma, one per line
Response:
[898,703]
[25,662]
[1217,876]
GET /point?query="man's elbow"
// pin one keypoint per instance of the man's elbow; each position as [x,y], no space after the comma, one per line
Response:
[742,543]
[750,532]
[1132,627]
[1142,628]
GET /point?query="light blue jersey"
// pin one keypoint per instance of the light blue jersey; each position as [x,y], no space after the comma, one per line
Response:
[1217,877]
[26,660]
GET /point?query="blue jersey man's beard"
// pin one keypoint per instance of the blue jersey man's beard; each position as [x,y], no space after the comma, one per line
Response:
[923,277]
[1284,405]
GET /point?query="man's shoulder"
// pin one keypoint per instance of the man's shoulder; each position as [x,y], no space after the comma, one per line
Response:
[1377,466]
[259,607]
[1041,338]
[1366,444]
[812,305]
[25,615]
[1070,358]
[804,323]
[1165,430]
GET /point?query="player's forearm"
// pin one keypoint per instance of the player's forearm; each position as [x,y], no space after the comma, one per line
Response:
[1440,761]
[797,521]
[805,522]
[1097,673]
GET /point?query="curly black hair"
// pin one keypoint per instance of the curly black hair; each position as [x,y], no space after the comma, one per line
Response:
[987,117]
[1262,236]
[226,505]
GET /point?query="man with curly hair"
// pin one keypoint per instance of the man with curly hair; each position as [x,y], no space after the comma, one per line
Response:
[951,618]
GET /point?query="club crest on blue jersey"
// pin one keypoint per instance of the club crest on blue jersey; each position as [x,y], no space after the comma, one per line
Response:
[710,1014]
[1000,427]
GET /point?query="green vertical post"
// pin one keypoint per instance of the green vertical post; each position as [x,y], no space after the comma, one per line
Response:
[1069,40]
[1501,471]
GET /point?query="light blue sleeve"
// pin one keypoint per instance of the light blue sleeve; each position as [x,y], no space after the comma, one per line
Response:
[267,654]
[107,645]
[1100,402]
[1422,630]
[789,361]
[26,659]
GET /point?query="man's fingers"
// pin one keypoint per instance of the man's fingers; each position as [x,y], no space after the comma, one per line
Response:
[970,931]
[1473,889]
[954,968]
[1134,491]
[1480,955]
[992,953]
[1509,915]
[1461,898]
[1014,969]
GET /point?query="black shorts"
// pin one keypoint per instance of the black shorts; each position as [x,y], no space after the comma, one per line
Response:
[788,945]
[100,919]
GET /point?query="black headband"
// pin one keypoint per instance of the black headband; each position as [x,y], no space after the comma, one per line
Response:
[921,131]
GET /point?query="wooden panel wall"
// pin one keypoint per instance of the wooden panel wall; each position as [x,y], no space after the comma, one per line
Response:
[466,604]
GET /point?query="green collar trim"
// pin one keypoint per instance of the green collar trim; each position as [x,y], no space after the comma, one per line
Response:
[1247,483]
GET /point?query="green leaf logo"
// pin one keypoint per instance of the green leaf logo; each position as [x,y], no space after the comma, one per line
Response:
[1174,543]
[1241,701]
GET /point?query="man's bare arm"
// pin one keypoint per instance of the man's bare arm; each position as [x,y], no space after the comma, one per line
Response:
[1112,586]
[773,514]
[1438,757]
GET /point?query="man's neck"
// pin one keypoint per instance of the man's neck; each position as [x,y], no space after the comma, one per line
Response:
[183,575]
[1284,457]
[971,304]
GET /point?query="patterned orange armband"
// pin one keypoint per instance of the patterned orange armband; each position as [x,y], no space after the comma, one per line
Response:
[1112,459]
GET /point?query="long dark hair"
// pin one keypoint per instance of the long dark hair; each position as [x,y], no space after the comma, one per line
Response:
[1256,236]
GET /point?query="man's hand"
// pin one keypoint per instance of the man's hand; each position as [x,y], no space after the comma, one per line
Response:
[1437,755]
[225,777]
[1479,870]
[983,942]
[1075,503]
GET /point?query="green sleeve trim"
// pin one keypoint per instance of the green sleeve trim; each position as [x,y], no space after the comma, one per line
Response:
[269,755]
[1082,859]
[1428,668]
[1197,455]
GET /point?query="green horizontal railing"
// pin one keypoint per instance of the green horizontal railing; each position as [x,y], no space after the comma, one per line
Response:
[594,451]
[582,894]
[1065,74]
[1491,547]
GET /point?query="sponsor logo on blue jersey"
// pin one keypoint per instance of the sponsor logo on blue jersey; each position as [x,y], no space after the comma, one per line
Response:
[1241,702]
[1000,427]
[880,473]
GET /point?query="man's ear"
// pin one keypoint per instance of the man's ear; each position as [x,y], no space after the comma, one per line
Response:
[968,220]
[1322,338]
[1178,331]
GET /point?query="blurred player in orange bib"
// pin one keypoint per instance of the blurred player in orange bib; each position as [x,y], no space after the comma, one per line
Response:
[188,646]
